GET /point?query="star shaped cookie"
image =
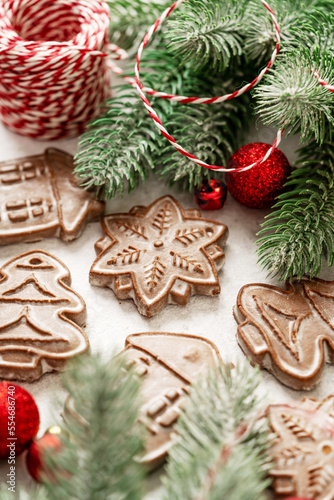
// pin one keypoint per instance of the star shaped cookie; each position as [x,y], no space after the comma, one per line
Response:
[159,255]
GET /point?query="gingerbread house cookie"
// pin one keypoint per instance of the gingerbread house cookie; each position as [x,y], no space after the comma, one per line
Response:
[40,197]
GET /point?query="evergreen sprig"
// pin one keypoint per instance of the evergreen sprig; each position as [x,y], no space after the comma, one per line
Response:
[118,147]
[123,145]
[301,227]
[100,436]
[295,19]
[212,133]
[211,458]
[208,32]
[99,455]
[131,19]
[292,95]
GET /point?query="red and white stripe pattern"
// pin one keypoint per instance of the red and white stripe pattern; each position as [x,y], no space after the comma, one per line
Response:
[201,100]
[135,82]
[323,83]
[53,65]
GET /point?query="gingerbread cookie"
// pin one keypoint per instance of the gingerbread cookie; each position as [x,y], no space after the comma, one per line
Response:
[39,317]
[289,333]
[303,452]
[159,255]
[40,198]
[168,363]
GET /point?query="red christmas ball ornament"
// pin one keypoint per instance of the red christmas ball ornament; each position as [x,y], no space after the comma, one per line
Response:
[19,420]
[35,456]
[211,195]
[259,186]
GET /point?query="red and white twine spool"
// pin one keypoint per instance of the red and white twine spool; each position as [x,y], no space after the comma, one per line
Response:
[53,68]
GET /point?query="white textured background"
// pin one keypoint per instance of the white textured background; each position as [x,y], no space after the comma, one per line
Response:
[109,322]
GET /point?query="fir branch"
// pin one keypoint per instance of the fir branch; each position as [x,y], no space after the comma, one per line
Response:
[292,95]
[295,18]
[210,132]
[220,447]
[301,227]
[124,144]
[100,453]
[321,32]
[119,146]
[208,32]
[131,19]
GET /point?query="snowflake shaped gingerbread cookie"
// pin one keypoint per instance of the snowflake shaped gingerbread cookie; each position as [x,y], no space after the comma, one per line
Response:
[159,255]
[303,453]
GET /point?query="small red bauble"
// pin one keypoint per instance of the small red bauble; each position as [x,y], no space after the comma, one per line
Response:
[19,420]
[259,186]
[211,196]
[35,461]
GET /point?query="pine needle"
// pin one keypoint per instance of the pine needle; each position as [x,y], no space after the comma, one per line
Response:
[99,455]
[213,457]
[301,227]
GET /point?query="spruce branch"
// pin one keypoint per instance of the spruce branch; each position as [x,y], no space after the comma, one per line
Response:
[295,18]
[123,145]
[118,147]
[208,32]
[131,19]
[220,449]
[210,132]
[301,227]
[99,455]
[292,95]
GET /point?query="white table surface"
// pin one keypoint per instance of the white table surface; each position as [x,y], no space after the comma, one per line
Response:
[109,321]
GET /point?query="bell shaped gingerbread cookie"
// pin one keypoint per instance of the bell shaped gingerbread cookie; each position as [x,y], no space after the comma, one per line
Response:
[159,255]
[41,198]
[289,333]
[39,317]
[303,451]
[167,363]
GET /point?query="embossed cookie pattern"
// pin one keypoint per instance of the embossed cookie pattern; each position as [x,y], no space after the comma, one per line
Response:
[39,317]
[159,254]
[167,363]
[39,198]
[290,333]
[303,451]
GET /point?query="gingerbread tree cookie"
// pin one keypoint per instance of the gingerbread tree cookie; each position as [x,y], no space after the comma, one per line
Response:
[159,254]
[290,333]
[39,317]
[303,451]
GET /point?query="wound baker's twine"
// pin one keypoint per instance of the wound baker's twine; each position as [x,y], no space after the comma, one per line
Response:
[54,58]
[53,65]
